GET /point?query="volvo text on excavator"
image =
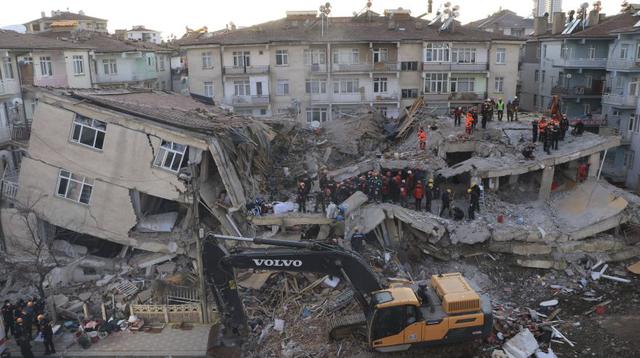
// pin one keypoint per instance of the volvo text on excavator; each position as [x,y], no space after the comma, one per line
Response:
[444,310]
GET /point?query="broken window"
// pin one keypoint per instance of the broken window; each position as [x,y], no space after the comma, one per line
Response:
[170,156]
[74,187]
[89,132]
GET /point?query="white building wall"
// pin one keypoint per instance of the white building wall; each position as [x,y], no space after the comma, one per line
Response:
[82,80]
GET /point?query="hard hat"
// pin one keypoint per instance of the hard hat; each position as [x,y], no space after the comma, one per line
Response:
[448,190]
[19,319]
[40,317]
[430,180]
[430,185]
[469,190]
[408,171]
[29,304]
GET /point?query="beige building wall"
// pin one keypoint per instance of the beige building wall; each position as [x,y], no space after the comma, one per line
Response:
[199,75]
[508,71]
[410,52]
[295,73]
[82,80]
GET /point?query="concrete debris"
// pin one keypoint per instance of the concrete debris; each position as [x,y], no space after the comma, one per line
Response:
[635,268]
[158,223]
[522,345]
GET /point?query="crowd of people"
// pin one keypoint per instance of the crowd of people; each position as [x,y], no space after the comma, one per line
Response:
[488,109]
[22,319]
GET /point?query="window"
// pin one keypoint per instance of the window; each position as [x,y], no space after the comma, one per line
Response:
[544,74]
[517,32]
[587,108]
[315,86]
[78,64]
[535,100]
[410,93]
[282,88]
[564,52]
[316,56]
[241,59]
[624,51]
[170,156]
[436,52]
[436,83]
[634,86]
[317,115]
[149,60]
[463,84]
[536,75]
[544,51]
[638,51]
[501,56]
[110,66]
[46,68]
[263,111]
[632,119]
[592,52]
[207,60]
[409,66]
[346,86]
[499,84]
[380,55]
[208,89]
[89,132]
[628,158]
[282,57]
[380,85]
[161,63]
[344,56]
[7,68]
[588,81]
[74,187]
[463,55]
[242,88]
[388,322]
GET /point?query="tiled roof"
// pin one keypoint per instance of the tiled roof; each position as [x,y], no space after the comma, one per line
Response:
[343,29]
[605,29]
[66,15]
[12,40]
[103,43]
[504,18]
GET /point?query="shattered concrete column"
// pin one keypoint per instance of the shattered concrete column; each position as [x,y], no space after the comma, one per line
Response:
[546,182]
[594,164]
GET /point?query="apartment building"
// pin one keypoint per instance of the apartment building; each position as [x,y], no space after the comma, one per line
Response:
[66,21]
[316,69]
[506,22]
[141,33]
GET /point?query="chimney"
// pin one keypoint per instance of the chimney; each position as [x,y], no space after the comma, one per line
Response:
[540,25]
[593,18]
[558,23]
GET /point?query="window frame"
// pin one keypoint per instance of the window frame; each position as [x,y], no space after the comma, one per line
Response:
[282,87]
[315,56]
[437,52]
[409,66]
[242,88]
[342,86]
[320,112]
[283,56]
[499,80]
[624,51]
[110,66]
[380,55]
[207,60]
[380,85]
[436,83]
[78,65]
[7,68]
[205,86]
[92,126]
[166,148]
[409,92]
[501,56]
[311,84]
[68,176]
[46,66]
[463,55]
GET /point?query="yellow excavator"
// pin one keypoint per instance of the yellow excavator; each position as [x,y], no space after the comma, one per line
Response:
[443,310]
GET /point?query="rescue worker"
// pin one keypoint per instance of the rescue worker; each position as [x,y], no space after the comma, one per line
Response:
[492,105]
[457,116]
[429,195]
[534,127]
[22,338]
[469,123]
[29,318]
[385,186]
[398,181]
[509,111]
[418,194]
[542,128]
[422,138]
[500,108]
[410,179]
[555,134]
[7,317]
[302,198]
[516,106]
[320,201]
[446,202]
[471,206]
[404,194]
[357,238]
[475,197]
[564,126]
[583,172]
[485,114]
[44,326]
[528,150]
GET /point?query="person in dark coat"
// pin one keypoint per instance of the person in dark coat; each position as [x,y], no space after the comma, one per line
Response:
[429,195]
[446,202]
[7,317]
[534,128]
[357,239]
[44,326]
[22,338]
[301,198]
[564,126]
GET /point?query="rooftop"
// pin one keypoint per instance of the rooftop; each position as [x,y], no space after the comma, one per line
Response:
[343,29]
[502,18]
[12,40]
[66,15]
[101,42]
[605,29]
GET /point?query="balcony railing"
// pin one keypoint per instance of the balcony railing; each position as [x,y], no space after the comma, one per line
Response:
[617,64]
[245,70]
[581,62]
[576,91]
[467,96]
[620,100]
[455,66]
[318,68]
[386,67]
[359,67]
[15,132]
[9,87]
[9,183]
[392,97]
[250,100]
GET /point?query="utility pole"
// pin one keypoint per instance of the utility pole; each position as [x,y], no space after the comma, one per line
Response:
[195,190]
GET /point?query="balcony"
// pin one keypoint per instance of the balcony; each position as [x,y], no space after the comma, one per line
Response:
[319,98]
[359,67]
[250,101]
[9,87]
[18,133]
[436,97]
[577,91]
[386,67]
[318,68]
[9,183]
[467,96]
[620,101]
[617,64]
[348,98]
[246,70]
[385,97]
[456,67]
[599,63]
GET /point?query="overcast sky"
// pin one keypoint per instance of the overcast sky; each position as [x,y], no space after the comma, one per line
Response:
[172,18]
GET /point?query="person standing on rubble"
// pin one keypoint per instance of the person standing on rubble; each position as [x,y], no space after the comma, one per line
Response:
[404,193]
[474,113]
[29,318]
[534,127]
[357,238]
[475,197]
[44,327]
[472,207]
[320,201]
[484,111]
[509,111]
[418,194]
[446,202]
[469,123]
[564,126]
[492,105]
[555,134]
[429,195]
[500,108]
[398,180]
[22,339]
[410,179]
[302,198]
[422,139]
[516,106]
[384,190]
[8,318]
[457,116]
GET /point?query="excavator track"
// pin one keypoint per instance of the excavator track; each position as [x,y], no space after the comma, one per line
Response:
[346,325]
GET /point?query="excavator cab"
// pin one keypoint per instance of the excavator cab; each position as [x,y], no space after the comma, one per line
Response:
[446,311]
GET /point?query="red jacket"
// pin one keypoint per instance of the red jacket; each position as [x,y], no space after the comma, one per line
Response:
[418,192]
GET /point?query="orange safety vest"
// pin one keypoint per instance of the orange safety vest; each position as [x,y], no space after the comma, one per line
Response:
[469,121]
[542,125]
[422,136]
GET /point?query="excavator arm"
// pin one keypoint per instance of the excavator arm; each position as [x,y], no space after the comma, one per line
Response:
[219,265]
